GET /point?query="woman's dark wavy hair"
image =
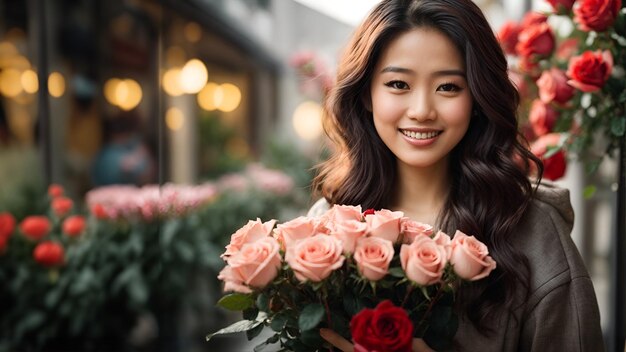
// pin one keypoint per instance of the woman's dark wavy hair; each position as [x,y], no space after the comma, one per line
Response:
[490,190]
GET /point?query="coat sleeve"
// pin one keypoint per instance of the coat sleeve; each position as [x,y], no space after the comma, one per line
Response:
[566,319]
[561,313]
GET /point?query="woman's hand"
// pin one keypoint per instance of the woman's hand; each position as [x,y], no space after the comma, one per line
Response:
[346,346]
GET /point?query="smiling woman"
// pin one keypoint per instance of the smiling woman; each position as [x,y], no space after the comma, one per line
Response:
[423,116]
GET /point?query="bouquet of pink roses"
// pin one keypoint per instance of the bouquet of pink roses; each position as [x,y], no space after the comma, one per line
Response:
[308,273]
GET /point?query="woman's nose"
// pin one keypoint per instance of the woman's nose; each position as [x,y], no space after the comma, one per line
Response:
[420,107]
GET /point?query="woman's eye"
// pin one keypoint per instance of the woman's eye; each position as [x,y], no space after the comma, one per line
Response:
[397,85]
[449,87]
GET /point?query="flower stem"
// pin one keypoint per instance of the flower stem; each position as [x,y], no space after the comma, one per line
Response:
[430,306]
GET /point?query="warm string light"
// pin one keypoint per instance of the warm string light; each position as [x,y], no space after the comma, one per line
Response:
[124,93]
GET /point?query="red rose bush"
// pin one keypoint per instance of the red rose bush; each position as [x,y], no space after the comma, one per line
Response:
[328,271]
[568,66]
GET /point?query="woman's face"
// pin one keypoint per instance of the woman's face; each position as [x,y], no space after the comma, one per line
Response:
[420,99]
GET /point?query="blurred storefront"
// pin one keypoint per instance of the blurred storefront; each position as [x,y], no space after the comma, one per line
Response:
[130,89]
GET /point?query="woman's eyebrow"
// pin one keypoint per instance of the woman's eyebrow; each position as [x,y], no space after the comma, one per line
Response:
[448,72]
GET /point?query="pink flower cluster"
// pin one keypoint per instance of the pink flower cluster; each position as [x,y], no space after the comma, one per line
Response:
[148,202]
[314,248]
[257,176]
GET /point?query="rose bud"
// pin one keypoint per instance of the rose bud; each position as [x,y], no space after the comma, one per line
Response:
[561,6]
[49,254]
[74,225]
[35,227]
[61,206]
[55,190]
[554,166]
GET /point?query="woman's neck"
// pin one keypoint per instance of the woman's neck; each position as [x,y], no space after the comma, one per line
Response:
[422,192]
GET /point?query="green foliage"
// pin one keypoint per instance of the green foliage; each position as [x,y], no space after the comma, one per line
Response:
[120,269]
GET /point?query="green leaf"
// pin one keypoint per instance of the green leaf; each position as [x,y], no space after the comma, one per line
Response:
[310,316]
[236,301]
[263,302]
[254,332]
[278,322]
[589,191]
[138,291]
[169,232]
[618,126]
[240,326]
[396,272]
[185,251]
[30,322]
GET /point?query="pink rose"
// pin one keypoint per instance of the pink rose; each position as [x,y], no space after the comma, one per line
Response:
[385,224]
[294,230]
[542,117]
[423,260]
[344,212]
[470,258]
[348,232]
[507,36]
[251,232]
[596,15]
[372,256]
[442,239]
[315,258]
[411,229]
[536,41]
[232,281]
[255,265]
[553,87]
[589,71]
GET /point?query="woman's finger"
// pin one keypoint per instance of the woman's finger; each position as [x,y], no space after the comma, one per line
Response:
[336,340]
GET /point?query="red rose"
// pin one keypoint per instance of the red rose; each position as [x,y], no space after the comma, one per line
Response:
[542,117]
[35,227]
[7,224]
[49,253]
[61,206]
[553,87]
[596,15]
[55,190]
[554,166]
[74,225]
[507,36]
[385,328]
[532,18]
[561,5]
[589,71]
[535,40]
[369,212]
[99,212]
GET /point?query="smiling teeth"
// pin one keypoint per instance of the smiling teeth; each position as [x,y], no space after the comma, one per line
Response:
[420,135]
